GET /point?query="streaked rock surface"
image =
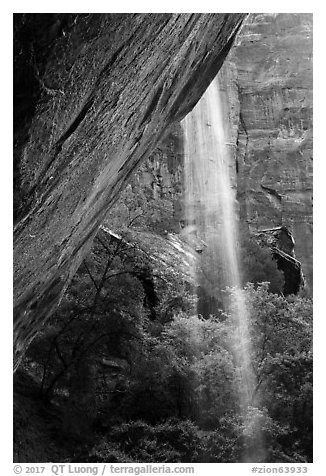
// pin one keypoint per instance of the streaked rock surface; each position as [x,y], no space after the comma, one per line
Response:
[274,76]
[94,94]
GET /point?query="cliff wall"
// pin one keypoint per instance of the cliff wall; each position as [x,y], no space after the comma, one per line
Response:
[266,90]
[93,96]
[273,59]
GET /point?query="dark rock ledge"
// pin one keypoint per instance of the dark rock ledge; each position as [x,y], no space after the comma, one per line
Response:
[281,242]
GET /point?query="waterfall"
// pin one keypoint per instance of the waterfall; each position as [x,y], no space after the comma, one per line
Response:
[210,199]
[211,220]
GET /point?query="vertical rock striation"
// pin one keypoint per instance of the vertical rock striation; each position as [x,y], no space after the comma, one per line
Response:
[274,75]
[94,94]
[266,89]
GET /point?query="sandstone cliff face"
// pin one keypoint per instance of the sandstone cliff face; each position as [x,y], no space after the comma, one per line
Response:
[274,76]
[266,89]
[94,94]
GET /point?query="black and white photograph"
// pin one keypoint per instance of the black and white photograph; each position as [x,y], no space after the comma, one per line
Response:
[163,240]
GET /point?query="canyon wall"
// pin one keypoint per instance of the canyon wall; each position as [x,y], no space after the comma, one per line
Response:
[266,89]
[93,96]
[273,59]
[97,94]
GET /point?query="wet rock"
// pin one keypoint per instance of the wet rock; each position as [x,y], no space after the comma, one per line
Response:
[94,94]
[274,74]
[282,244]
[266,89]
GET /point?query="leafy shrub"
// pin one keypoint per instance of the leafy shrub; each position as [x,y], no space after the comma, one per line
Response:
[105,452]
[173,441]
[258,265]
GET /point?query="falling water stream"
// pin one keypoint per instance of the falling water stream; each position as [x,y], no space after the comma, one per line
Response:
[211,218]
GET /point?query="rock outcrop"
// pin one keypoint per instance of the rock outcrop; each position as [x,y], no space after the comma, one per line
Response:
[273,59]
[94,94]
[281,243]
[266,90]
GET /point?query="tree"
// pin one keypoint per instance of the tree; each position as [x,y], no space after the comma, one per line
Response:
[280,332]
[258,265]
[139,207]
[179,366]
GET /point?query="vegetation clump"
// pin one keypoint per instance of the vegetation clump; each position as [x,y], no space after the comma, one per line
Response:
[127,386]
